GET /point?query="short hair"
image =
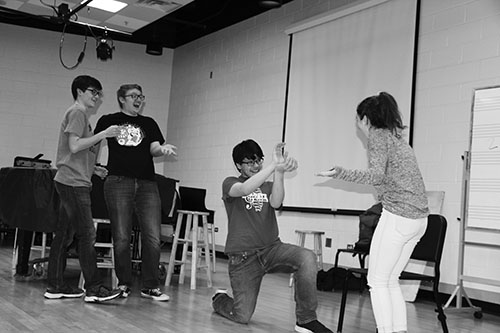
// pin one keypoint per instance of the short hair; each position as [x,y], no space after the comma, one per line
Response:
[83,82]
[382,111]
[247,149]
[124,88]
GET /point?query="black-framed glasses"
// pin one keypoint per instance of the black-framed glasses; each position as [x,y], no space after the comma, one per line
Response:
[136,97]
[95,92]
[257,161]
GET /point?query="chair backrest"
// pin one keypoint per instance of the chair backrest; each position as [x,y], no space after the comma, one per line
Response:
[167,187]
[192,198]
[430,246]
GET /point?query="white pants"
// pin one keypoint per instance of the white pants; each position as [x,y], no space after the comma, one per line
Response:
[392,245]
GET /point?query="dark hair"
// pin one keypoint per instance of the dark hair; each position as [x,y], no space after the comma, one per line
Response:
[382,111]
[247,149]
[83,82]
[124,88]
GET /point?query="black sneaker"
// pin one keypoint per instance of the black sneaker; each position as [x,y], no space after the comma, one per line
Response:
[101,294]
[63,292]
[219,292]
[154,294]
[125,290]
[312,327]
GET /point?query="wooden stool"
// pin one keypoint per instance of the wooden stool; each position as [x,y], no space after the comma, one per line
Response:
[106,261]
[318,248]
[190,237]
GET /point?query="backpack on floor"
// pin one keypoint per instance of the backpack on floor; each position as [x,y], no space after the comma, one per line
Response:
[333,280]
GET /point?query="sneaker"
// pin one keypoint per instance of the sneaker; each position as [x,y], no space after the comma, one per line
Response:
[154,294]
[63,292]
[101,294]
[125,290]
[219,292]
[312,327]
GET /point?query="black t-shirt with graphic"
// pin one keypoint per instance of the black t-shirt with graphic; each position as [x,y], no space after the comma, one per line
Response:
[129,153]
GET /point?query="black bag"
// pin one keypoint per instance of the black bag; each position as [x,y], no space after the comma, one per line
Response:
[32,162]
[333,280]
[367,224]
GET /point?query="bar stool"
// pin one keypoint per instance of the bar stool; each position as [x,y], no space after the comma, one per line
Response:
[39,267]
[192,237]
[318,248]
[107,260]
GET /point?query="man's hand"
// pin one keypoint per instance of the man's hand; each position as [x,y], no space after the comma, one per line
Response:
[101,171]
[283,162]
[289,164]
[168,149]
[112,131]
[278,153]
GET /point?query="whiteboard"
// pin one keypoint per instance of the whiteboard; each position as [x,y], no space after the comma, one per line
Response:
[484,178]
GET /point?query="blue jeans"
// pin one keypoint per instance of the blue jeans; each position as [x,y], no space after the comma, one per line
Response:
[247,269]
[124,197]
[75,214]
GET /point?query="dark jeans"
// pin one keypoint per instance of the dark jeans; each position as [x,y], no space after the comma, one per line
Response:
[124,196]
[247,269]
[75,214]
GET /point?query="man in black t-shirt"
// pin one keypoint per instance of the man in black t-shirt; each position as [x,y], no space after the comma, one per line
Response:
[131,188]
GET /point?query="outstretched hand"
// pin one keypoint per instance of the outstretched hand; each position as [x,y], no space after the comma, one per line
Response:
[329,173]
[168,149]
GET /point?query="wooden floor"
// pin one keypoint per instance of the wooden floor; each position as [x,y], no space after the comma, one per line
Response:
[24,309]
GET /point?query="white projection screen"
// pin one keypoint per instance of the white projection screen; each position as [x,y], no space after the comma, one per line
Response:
[365,49]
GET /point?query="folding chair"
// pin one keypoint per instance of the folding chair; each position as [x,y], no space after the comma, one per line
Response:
[429,249]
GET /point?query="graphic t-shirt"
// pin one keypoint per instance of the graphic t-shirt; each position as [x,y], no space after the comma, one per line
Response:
[129,153]
[252,223]
[75,169]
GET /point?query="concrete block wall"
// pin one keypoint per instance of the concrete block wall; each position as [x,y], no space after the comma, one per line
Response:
[35,88]
[230,86]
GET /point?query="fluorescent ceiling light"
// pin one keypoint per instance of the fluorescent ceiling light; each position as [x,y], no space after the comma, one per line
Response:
[107,5]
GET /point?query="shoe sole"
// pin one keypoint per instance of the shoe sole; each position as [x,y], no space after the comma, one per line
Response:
[302,329]
[59,296]
[96,299]
[155,298]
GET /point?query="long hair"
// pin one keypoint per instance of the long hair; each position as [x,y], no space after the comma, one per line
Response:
[382,111]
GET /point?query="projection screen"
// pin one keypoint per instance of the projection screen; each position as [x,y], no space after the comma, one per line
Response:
[335,62]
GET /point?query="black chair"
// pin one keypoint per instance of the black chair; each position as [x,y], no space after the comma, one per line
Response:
[429,249]
[193,199]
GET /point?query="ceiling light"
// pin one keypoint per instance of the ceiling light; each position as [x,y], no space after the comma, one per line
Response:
[111,6]
[270,3]
[105,48]
[154,48]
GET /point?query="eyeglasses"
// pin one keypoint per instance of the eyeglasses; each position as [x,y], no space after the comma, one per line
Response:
[136,97]
[258,161]
[95,92]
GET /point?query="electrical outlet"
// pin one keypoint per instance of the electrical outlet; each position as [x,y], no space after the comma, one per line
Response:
[328,242]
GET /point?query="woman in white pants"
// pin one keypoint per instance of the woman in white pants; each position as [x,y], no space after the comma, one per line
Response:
[394,172]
